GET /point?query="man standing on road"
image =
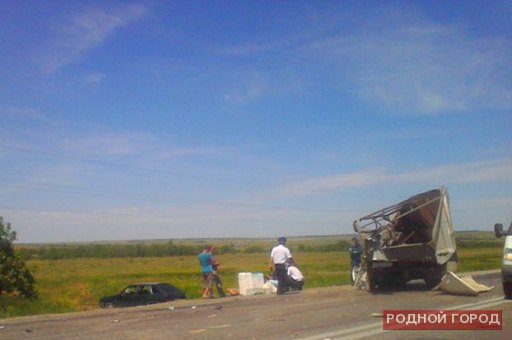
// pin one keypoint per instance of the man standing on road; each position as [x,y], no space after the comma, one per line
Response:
[355,251]
[278,258]
[205,261]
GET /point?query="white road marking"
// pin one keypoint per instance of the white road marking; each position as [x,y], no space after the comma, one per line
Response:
[374,328]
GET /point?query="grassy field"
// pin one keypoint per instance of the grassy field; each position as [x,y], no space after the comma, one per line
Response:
[77,284]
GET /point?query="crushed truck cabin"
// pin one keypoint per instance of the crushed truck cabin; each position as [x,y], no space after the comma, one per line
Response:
[410,240]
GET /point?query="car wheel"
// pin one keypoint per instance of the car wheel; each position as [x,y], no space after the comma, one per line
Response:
[507,290]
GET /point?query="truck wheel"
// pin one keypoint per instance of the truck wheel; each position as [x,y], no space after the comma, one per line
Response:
[433,277]
[374,281]
[432,281]
[394,280]
[507,290]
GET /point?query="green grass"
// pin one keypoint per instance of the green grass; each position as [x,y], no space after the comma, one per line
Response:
[479,259]
[77,284]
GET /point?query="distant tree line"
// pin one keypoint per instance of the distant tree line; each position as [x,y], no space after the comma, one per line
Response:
[141,249]
[465,243]
[327,247]
[108,250]
[113,250]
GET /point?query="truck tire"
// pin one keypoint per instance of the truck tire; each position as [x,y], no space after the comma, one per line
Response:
[433,277]
[507,290]
[375,283]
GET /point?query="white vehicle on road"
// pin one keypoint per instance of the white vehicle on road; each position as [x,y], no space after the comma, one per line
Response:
[506,267]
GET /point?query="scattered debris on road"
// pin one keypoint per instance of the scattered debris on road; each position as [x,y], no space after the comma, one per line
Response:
[452,284]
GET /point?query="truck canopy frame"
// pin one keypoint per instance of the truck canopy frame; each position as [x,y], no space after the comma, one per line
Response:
[421,223]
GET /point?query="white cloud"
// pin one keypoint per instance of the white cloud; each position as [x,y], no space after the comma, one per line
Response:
[85,31]
[320,185]
[177,152]
[115,143]
[249,49]
[135,144]
[247,91]
[417,66]
[94,78]
[402,60]
[222,219]
[21,113]
[484,171]
[55,176]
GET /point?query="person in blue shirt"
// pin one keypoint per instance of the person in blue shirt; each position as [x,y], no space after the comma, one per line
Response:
[206,261]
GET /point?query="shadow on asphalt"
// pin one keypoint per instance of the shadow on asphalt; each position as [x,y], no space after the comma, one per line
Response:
[412,286]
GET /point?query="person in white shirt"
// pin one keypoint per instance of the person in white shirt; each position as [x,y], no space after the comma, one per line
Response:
[278,258]
[294,278]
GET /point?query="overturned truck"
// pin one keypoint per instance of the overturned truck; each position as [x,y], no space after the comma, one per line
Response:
[409,240]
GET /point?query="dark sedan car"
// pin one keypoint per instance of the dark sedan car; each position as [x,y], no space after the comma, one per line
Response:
[142,294]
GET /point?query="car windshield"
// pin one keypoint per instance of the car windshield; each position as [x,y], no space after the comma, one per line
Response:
[144,290]
[130,290]
[508,242]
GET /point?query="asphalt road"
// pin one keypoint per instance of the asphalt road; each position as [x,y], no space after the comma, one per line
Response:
[340,312]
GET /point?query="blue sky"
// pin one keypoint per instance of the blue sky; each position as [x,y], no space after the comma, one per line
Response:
[183,119]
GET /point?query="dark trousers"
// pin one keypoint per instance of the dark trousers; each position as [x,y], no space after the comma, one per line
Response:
[218,284]
[281,277]
[294,284]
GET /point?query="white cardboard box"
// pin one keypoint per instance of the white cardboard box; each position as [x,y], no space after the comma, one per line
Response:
[251,283]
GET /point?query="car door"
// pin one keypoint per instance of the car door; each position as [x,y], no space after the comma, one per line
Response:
[144,295]
[159,295]
[171,292]
[128,297]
